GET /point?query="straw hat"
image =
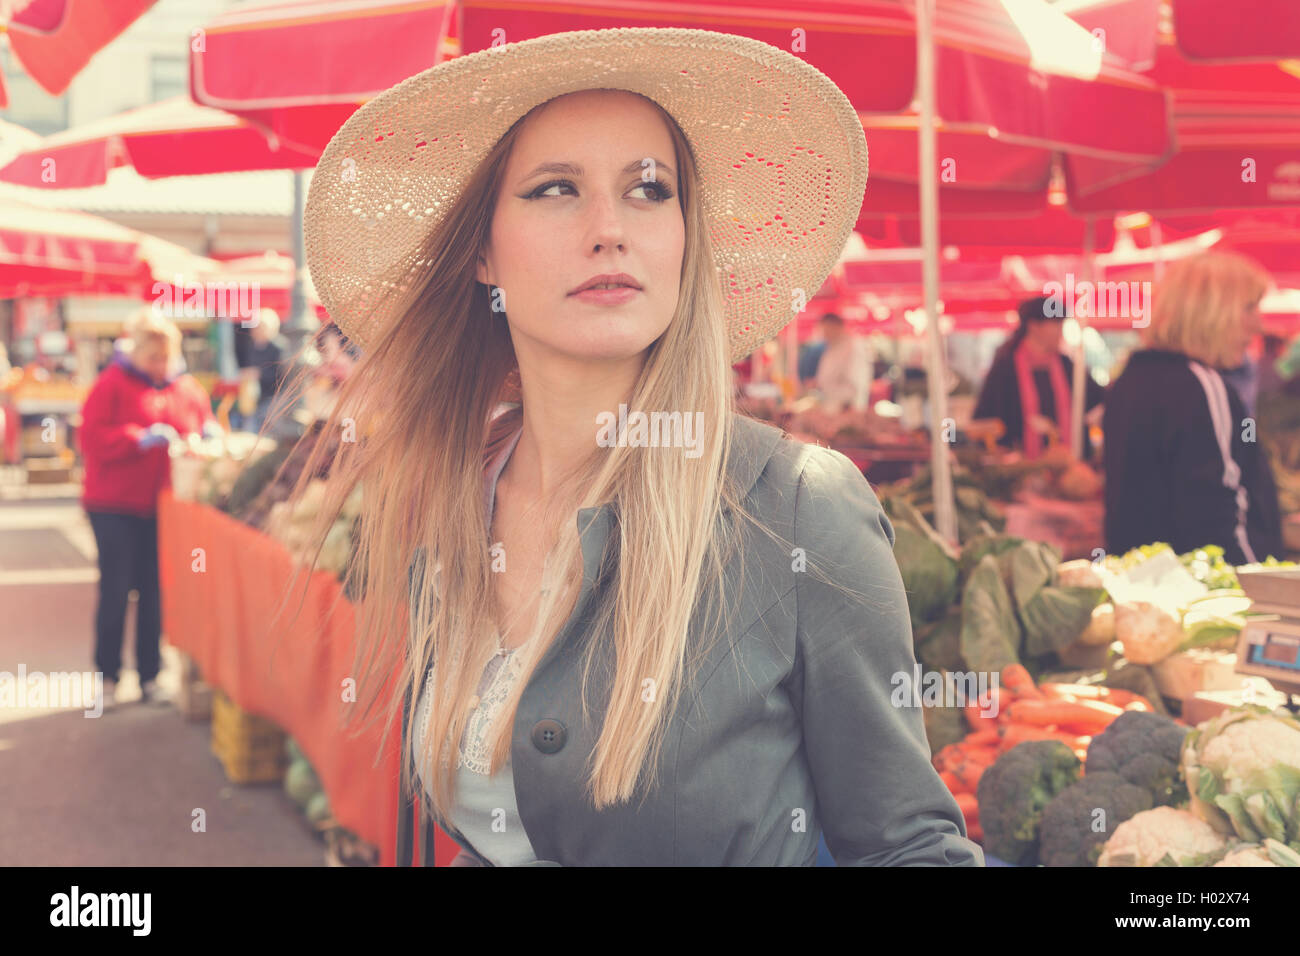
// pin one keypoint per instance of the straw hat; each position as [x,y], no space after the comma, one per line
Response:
[781,153]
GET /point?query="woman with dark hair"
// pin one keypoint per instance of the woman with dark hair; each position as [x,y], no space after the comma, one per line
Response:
[1028,386]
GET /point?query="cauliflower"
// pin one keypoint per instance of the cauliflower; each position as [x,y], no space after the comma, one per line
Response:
[1162,837]
[1250,856]
[1079,573]
[1271,853]
[1243,774]
[1150,631]
[1101,629]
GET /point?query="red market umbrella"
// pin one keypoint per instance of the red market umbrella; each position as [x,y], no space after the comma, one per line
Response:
[300,68]
[54,39]
[54,252]
[991,60]
[1242,29]
[174,137]
[1236,126]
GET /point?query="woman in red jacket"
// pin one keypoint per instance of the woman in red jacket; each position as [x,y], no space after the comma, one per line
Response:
[139,404]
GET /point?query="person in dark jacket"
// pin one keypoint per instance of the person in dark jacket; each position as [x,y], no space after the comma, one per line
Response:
[138,405]
[262,359]
[1183,459]
[1029,371]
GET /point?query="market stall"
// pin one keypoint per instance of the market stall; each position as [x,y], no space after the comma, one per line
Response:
[221,583]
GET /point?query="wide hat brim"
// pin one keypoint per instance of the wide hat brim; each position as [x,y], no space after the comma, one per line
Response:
[781,155]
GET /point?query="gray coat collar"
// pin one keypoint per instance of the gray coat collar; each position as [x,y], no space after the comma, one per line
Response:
[752,446]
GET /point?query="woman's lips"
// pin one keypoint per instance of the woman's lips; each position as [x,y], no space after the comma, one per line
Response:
[606,296]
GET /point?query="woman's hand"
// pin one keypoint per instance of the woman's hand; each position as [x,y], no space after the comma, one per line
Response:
[465,858]
[159,433]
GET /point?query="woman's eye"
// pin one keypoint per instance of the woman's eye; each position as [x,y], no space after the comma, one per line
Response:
[546,187]
[660,192]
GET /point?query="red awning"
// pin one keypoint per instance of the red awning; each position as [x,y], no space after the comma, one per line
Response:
[54,252]
[54,39]
[175,137]
[1236,30]
[996,67]
[300,68]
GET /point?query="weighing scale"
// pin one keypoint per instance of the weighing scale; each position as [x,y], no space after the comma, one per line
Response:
[1269,646]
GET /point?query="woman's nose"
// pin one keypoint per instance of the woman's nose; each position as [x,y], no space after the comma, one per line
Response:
[606,226]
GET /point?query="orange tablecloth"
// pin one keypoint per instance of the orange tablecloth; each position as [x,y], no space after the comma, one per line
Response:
[222,616]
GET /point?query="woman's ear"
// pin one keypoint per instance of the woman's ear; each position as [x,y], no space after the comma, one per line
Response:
[480,271]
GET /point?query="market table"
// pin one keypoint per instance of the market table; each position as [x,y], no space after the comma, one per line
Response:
[218,604]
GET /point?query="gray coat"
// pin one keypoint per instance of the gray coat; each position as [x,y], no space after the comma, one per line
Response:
[788,731]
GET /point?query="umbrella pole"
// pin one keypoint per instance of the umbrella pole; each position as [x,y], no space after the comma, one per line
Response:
[1080,353]
[937,377]
[300,324]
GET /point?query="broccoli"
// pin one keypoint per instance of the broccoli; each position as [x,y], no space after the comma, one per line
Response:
[1013,792]
[1145,749]
[1080,819]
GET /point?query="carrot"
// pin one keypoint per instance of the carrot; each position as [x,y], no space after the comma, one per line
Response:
[974,712]
[1086,715]
[982,738]
[1013,734]
[951,782]
[950,756]
[1017,679]
[975,832]
[968,805]
[1080,691]
[969,773]
[1126,699]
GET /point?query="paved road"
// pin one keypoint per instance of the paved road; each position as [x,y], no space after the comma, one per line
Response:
[121,789]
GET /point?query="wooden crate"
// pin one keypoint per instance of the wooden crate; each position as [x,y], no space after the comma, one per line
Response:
[251,749]
[194,697]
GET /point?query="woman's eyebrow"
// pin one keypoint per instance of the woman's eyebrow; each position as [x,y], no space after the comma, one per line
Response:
[573,169]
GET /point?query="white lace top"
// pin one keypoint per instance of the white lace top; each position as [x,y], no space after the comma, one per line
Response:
[485,812]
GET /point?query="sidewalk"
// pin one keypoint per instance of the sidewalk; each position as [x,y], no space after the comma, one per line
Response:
[121,789]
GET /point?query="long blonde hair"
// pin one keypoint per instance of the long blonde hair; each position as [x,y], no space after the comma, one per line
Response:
[1198,306]
[421,401]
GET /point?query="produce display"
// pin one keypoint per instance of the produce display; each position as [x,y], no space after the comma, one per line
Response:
[290,523]
[1152,622]
[303,786]
[914,497]
[1110,783]
[258,490]
[207,469]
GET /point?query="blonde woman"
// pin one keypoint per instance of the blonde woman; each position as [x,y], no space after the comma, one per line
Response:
[1183,459]
[140,403]
[608,647]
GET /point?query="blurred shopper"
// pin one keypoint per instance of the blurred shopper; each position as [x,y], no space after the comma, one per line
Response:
[139,404]
[844,369]
[1028,386]
[262,362]
[1276,374]
[1183,464]
[1246,380]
